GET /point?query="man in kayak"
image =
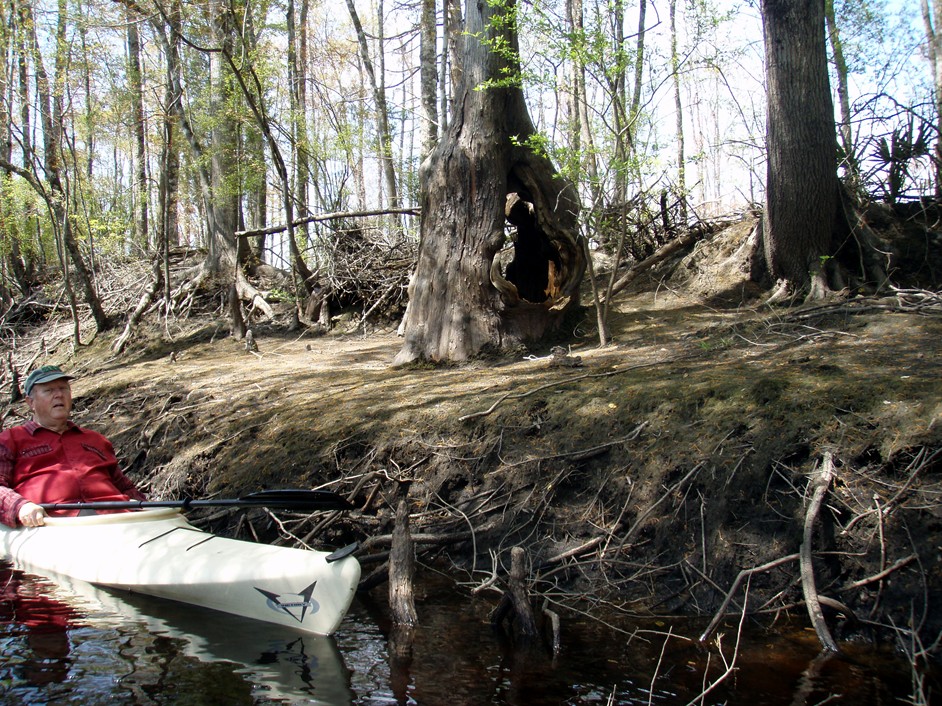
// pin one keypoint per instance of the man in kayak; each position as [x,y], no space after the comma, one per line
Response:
[49,459]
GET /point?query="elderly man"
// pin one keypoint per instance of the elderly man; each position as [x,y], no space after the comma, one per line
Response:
[51,460]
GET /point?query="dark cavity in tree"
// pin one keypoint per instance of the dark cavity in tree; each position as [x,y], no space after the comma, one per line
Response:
[536,265]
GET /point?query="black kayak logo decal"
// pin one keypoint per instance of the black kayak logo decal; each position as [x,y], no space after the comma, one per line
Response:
[276,601]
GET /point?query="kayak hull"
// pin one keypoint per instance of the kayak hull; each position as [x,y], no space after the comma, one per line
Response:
[158,553]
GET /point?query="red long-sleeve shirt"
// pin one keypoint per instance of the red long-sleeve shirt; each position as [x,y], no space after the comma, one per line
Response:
[43,466]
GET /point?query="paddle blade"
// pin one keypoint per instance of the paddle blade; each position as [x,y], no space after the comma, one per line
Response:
[298,499]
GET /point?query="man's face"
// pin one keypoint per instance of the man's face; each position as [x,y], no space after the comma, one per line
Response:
[51,403]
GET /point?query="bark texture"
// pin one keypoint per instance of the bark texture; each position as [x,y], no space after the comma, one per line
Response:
[461,301]
[802,186]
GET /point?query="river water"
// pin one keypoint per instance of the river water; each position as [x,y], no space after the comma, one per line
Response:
[76,644]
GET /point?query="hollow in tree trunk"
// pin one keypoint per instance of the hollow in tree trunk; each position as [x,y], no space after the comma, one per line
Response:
[483,176]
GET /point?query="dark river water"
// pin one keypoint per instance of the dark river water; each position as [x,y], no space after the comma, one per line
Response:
[74,644]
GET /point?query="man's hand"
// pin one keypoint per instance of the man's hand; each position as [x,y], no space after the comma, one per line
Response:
[31,515]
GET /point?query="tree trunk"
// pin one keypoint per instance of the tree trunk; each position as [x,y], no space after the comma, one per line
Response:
[170,161]
[22,18]
[301,143]
[138,129]
[618,83]
[452,71]
[845,131]
[223,203]
[429,77]
[51,120]
[581,136]
[679,116]
[377,84]
[241,71]
[170,157]
[930,17]
[802,186]
[481,174]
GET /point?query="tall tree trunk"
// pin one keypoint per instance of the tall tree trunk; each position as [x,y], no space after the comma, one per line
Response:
[254,184]
[11,264]
[452,72]
[302,169]
[168,195]
[256,103]
[582,138]
[24,28]
[89,125]
[223,215]
[930,17]
[479,176]
[802,186]
[679,115]
[213,165]
[845,130]
[171,158]
[377,84]
[428,77]
[620,118]
[138,129]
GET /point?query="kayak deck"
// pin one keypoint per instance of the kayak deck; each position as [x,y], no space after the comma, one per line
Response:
[158,553]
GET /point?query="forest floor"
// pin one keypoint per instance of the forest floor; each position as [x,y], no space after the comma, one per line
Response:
[640,482]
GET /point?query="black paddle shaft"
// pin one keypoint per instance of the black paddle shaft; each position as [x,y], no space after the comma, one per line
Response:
[298,500]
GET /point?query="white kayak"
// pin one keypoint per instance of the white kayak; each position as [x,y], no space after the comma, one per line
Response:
[159,553]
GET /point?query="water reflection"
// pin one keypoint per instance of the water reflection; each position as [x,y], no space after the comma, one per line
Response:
[130,649]
[73,643]
[37,639]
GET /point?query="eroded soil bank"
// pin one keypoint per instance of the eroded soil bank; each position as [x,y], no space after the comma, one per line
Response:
[641,481]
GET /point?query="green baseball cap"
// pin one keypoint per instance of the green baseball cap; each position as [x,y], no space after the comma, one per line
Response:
[47,373]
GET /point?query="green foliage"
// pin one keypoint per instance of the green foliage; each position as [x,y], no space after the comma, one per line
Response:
[906,146]
[109,232]
[25,220]
[280,295]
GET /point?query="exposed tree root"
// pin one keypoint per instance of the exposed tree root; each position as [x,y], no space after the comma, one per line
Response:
[821,481]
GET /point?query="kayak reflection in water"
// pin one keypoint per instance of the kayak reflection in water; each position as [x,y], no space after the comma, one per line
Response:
[49,459]
[44,623]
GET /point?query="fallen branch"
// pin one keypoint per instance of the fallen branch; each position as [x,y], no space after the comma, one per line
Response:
[729,664]
[711,628]
[575,551]
[898,564]
[418,538]
[698,232]
[326,217]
